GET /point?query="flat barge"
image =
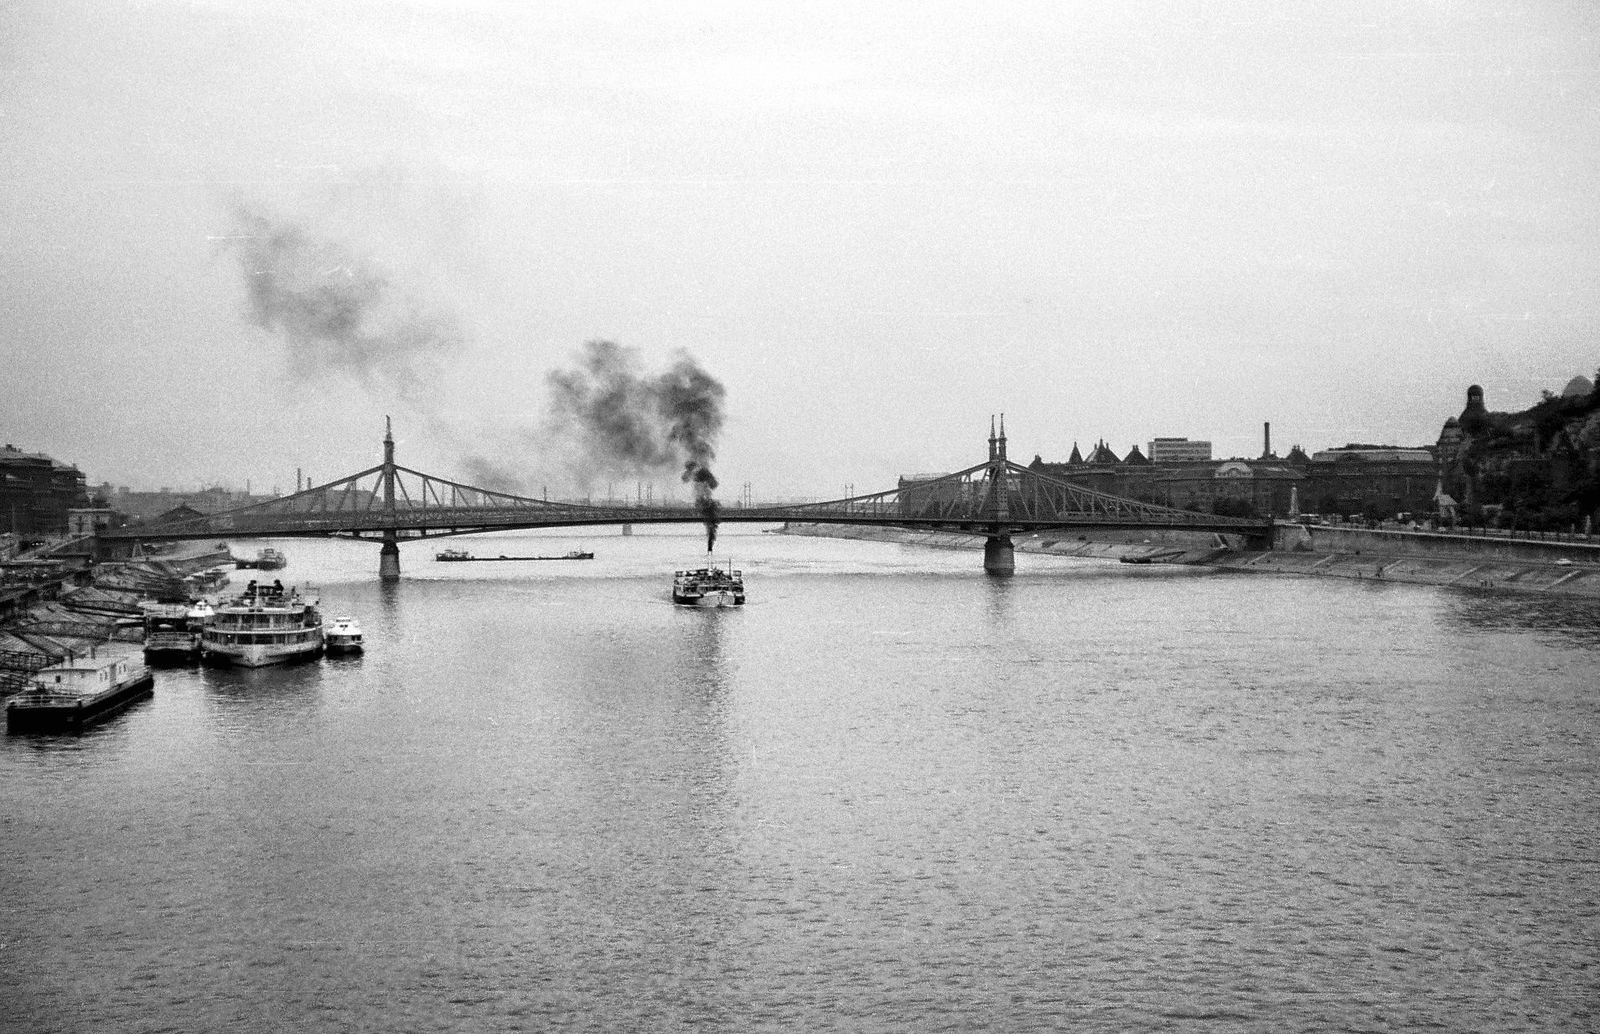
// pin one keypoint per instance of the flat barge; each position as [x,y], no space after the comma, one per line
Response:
[79,691]
[457,556]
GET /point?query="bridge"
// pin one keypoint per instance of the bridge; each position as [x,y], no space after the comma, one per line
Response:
[391,504]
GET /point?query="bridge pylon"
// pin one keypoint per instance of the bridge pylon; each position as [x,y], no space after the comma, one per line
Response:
[999,556]
[389,555]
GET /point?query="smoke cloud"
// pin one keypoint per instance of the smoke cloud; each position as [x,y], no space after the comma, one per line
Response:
[337,311]
[628,421]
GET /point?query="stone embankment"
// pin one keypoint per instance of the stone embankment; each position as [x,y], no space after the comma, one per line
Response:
[1423,558]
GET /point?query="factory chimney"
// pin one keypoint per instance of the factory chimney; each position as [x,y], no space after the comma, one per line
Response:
[1266,440]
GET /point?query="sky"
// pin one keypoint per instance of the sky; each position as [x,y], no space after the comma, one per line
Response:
[876,225]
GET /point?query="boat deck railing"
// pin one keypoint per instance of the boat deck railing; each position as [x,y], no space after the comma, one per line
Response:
[32,698]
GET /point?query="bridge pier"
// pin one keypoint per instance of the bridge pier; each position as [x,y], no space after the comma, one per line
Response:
[999,557]
[389,559]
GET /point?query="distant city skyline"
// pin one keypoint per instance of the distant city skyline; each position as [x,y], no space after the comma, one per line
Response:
[669,483]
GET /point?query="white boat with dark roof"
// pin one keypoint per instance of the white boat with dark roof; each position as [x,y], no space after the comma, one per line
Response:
[343,636]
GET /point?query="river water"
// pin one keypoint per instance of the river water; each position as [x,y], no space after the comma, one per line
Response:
[888,794]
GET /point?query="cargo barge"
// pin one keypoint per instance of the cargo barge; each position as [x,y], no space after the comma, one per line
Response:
[77,692]
[456,556]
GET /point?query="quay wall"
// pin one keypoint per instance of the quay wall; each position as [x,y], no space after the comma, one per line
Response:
[1415,558]
[1384,542]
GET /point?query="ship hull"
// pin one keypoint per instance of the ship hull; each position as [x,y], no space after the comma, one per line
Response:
[253,655]
[709,599]
[56,715]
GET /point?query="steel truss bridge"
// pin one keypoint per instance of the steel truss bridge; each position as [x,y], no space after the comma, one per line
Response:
[390,504]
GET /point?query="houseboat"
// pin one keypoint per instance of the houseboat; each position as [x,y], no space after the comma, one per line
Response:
[76,692]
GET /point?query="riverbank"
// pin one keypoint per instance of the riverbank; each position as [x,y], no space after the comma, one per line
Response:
[1393,557]
[59,613]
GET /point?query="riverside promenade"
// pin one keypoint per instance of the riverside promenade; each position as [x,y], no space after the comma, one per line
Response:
[1566,567]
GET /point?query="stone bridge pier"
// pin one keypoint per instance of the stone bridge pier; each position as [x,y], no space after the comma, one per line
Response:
[999,556]
[389,559]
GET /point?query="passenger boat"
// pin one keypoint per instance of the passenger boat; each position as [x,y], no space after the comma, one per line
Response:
[77,692]
[708,587]
[343,636]
[266,624]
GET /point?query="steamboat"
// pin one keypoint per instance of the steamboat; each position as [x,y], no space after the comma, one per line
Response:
[266,624]
[708,587]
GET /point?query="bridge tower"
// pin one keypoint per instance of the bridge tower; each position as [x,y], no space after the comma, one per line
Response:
[389,555]
[999,557]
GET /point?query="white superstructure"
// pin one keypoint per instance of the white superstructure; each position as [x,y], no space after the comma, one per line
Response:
[266,624]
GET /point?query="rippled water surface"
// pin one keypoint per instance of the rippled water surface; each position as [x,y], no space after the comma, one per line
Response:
[888,794]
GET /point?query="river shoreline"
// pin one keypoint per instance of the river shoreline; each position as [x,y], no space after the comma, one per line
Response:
[1391,559]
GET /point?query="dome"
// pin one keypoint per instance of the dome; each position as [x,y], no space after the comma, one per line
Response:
[1577,388]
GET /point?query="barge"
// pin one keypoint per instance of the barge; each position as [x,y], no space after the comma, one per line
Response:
[266,560]
[79,691]
[461,556]
[168,635]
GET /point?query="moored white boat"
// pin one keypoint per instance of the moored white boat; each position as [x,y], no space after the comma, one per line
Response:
[708,587]
[266,624]
[343,636]
[79,690]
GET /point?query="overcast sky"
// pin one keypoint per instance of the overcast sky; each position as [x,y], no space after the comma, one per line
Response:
[876,224]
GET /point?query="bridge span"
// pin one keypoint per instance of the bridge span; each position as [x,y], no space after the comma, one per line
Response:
[391,504]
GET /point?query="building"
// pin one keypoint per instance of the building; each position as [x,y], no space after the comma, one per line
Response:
[148,506]
[1376,481]
[1239,488]
[87,521]
[1236,487]
[36,493]
[1178,450]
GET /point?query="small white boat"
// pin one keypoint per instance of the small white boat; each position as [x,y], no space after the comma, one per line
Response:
[343,636]
[708,587]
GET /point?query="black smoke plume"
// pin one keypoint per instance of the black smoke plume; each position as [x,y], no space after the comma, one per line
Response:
[336,310]
[626,420]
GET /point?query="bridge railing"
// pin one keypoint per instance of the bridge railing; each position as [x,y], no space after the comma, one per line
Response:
[997,493]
